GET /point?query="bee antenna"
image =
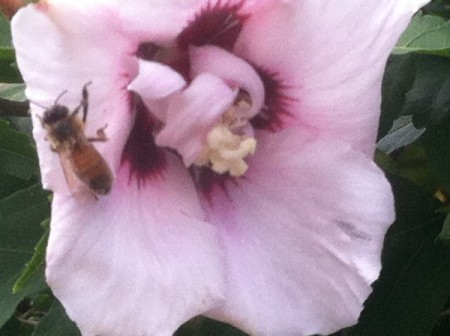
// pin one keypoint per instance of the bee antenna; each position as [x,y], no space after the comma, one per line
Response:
[59,97]
[37,104]
[56,100]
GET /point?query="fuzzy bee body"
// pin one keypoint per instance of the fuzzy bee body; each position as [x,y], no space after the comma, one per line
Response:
[90,167]
[65,133]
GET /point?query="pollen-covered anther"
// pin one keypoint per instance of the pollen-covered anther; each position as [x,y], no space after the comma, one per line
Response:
[225,151]
[231,140]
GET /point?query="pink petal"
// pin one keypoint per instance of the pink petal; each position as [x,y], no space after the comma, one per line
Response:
[331,55]
[231,69]
[303,235]
[139,262]
[160,21]
[192,113]
[156,81]
[82,43]
[155,20]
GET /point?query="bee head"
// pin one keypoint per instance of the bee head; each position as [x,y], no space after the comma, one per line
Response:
[54,114]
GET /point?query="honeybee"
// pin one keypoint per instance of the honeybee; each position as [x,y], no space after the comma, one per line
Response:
[65,133]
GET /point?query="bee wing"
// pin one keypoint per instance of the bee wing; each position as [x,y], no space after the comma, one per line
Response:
[73,183]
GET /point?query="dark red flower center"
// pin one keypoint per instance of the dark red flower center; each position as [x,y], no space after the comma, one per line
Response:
[220,25]
[145,159]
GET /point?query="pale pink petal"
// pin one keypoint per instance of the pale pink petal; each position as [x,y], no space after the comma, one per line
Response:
[160,21]
[329,56]
[82,43]
[139,262]
[192,113]
[156,81]
[155,20]
[303,235]
[234,71]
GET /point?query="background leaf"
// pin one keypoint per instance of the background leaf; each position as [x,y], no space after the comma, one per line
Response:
[398,79]
[15,92]
[428,100]
[5,32]
[415,280]
[36,262]
[56,323]
[437,146]
[20,215]
[17,155]
[426,34]
[202,326]
[439,8]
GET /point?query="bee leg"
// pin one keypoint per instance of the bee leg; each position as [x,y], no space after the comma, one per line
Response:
[84,102]
[101,132]
[101,136]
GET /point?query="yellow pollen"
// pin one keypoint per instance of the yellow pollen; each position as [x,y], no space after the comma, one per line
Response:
[225,151]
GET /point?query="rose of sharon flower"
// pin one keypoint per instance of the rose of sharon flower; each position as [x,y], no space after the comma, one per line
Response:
[240,134]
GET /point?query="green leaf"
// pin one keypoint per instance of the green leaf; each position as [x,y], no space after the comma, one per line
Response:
[438,8]
[443,327]
[428,100]
[437,146]
[385,162]
[397,81]
[401,134]
[20,215]
[414,283]
[15,328]
[412,164]
[22,125]
[426,34]
[15,92]
[9,73]
[36,262]
[17,154]
[56,323]
[11,184]
[417,86]
[445,233]
[202,326]
[5,31]
[7,54]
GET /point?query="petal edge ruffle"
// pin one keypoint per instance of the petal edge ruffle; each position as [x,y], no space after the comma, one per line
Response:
[303,244]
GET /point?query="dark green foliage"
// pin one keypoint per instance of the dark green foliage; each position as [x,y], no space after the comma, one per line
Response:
[428,100]
[439,8]
[5,34]
[427,34]
[398,80]
[415,281]
[416,85]
[202,326]
[17,154]
[36,263]
[437,144]
[18,212]
[56,323]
